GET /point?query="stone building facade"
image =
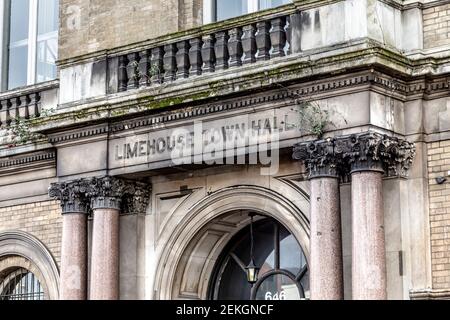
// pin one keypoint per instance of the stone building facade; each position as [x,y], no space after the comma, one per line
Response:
[157,149]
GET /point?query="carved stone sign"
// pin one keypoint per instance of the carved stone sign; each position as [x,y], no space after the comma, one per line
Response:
[208,141]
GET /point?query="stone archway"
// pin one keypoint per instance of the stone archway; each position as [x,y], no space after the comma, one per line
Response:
[188,258]
[21,250]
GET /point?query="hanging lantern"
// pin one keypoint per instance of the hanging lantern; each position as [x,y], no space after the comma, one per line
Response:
[252,270]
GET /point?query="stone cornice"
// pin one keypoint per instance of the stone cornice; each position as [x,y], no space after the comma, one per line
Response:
[28,160]
[83,195]
[400,89]
[345,155]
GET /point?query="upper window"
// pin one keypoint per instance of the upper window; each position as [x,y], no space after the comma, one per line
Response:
[33,42]
[226,9]
[21,285]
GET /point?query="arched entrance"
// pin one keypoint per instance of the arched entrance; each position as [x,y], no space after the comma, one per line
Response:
[282,266]
[202,233]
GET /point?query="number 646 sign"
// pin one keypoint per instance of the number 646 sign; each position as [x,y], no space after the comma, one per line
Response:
[276,296]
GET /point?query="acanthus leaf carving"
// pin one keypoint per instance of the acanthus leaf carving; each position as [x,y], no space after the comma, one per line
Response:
[369,151]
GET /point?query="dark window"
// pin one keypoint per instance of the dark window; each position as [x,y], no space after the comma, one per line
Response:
[284,272]
[21,285]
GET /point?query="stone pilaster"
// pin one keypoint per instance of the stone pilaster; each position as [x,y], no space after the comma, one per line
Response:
[75,204]
[326,268]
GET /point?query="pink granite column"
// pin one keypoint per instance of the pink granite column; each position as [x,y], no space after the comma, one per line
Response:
[74,249]
[105,255]
[369,253]
[326,263]
[326,269]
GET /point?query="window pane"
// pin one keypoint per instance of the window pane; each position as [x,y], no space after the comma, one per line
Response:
[48,16]
[19,20]
[231,8]
[291,255]
[18,43]
[18,61]
[46,58]
[19,286]
[47,46]
[266,4]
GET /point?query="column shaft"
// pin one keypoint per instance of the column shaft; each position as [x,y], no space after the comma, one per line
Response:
[369,253]
[105,255]
[326,242]
[74,257]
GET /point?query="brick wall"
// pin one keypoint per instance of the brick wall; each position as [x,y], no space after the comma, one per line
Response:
[93,25]
[43,220]
[439,165]
[436,26]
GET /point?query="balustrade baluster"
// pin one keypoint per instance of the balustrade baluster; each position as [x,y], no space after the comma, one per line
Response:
[8,113]
[278,37]
[208,54]
[144,68]
[235,47]
[23,109]
[122,74]
[133,70]
[2,113]
[33,105]
[195,56]
[157,66]
[221,50]
[263,40]
[289,35]
[170,62]
[182,56]
[14,110]
[249,44]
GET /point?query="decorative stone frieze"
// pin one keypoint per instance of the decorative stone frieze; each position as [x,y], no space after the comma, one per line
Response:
[130,197]
[369,151]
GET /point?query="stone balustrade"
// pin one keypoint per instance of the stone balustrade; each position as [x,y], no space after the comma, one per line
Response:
[206,53]
[26,104]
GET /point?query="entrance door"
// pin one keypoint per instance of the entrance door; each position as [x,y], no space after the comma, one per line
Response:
[283,271]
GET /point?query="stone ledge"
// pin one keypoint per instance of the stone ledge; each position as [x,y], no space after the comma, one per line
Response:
[430,294]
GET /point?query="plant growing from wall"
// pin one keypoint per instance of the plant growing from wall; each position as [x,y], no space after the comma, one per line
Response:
[313,119]
[20,128]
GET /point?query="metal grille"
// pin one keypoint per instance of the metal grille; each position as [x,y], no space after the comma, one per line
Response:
[21,285]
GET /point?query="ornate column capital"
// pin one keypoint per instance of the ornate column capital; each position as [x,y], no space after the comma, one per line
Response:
[137,201]
[369,151]
[82,195]
[373,151]
[319,157]
[106,192]
[72,195]
[116,193]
